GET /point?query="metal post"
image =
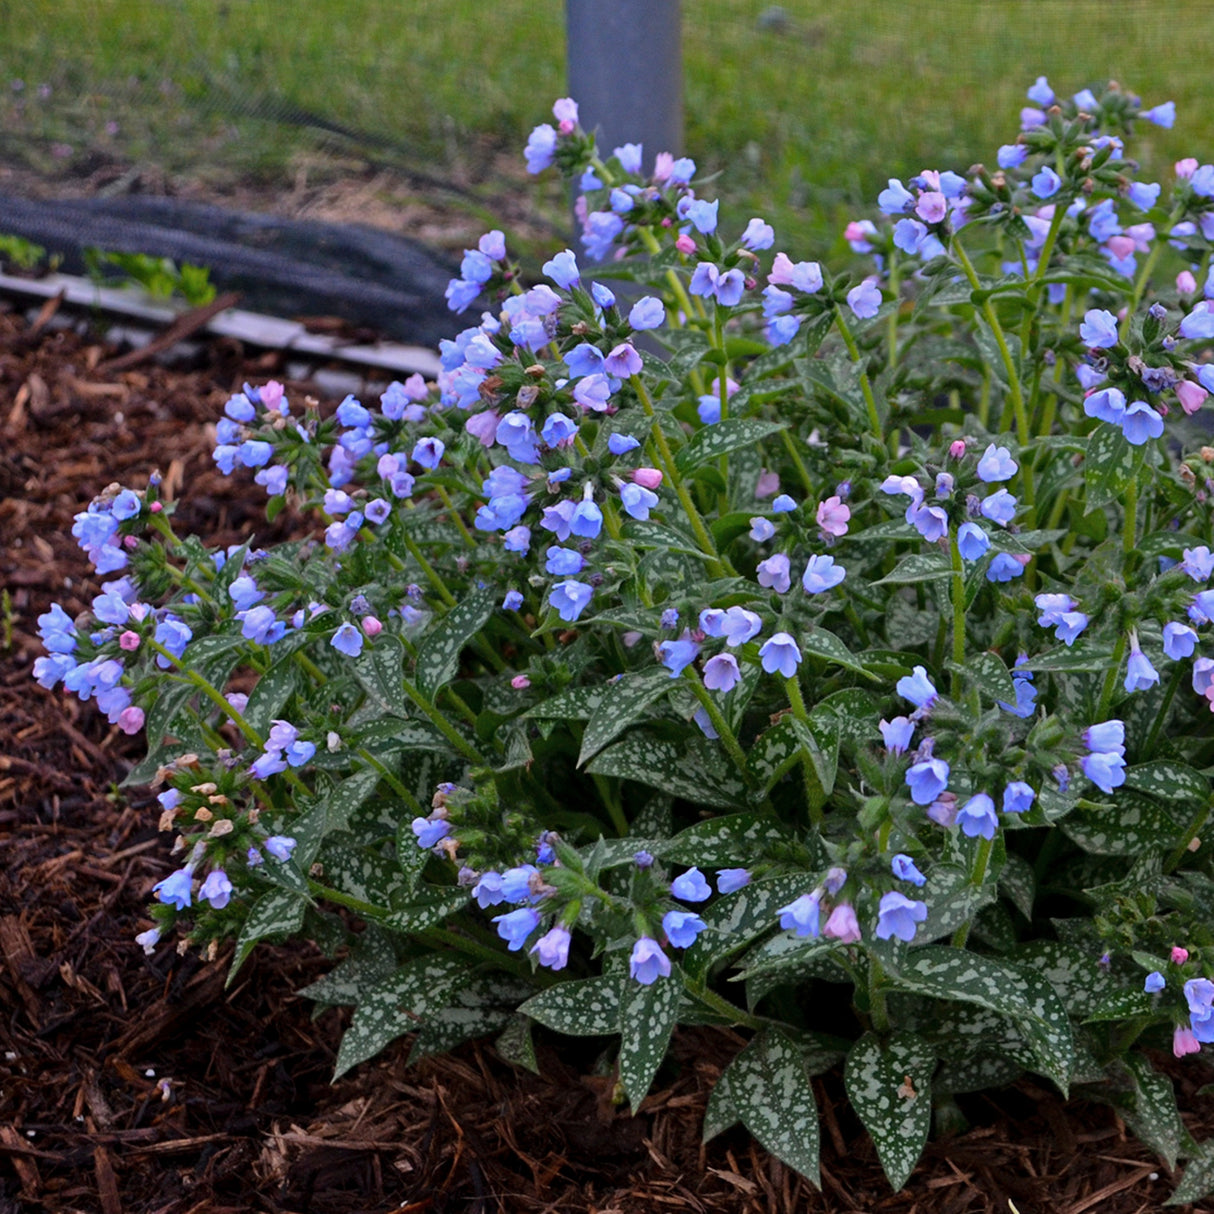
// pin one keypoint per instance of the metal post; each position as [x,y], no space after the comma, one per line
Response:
[626,72]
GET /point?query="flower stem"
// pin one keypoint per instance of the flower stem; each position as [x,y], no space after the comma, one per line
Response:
[719,723]
[977,876]
[440,722]
[1110,679]
[870,402]
[958,611]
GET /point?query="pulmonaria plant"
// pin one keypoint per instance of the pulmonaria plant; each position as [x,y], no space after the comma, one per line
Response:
[740,628]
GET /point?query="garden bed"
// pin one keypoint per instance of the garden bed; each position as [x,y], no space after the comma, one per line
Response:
[136,1084]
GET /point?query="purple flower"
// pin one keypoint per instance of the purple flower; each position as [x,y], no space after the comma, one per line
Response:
[648,963]
[1179,641]
[898,915]
[977,817]
[1046,183]
[1140,674]
[865,300]
[903,867]
[761,529]
[917,688]
[730,880]
[927,780]
[174,890]
[488,890]
[1198,563]
[931,522]
[842,925]
[1199,324]
[1004,568]
[690,886]
[216,889]
[1012,155]
[682,927]
[1161,115]
[1106,738]
[647,313]
[678,655]
[739,626]
[775,574]
[515,926]
[997,464]
[553,948]
[822,574]
[637,500]
[541,147]
[721,673]
[801,916]
[622,361]
[562,269]
[280,847]
[1108,405]
[972,542]
[780,654]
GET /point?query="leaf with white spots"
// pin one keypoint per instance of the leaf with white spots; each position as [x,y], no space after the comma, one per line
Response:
[1139,824]
[771,1093]
[648,1015]
[822,643]
[275,915]
[482,1006]
[439,651]
[515,1045]
[1108,467]
[889,1084]
[710,442]
[1169,782]
[1198,1179]
[1018,884]
[724,841]
[1150,1109]
[975,1073]
[1074,974]
[398,1004]
[589,1007]
[720,1112]
[372,958]
[623,701]
[693,769]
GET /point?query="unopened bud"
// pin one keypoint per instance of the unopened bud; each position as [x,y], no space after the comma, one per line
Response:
[647,478]
[371,626]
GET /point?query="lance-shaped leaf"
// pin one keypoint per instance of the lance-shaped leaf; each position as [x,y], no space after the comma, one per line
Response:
[1198,1179]
[1108,468]
[623,701]
[822,643]
[1151,1109]
[274,915]
[589,1007]
[691,769]
[648,1015]
[711,442]
[889,1086]
[438,653]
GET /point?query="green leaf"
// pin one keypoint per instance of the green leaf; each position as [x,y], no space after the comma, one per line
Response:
[648,1015]
[720,1112]
[921,567]
[270,694]
[821,643]
[1108,468]
[573,704]
[440,649]
[778,749]
[1169,782]
[693,769]
[477,1008]
[1121,1005]
[1048,1030]
[589,1007]
[1073,973]
[360,872]
[987,672]
[515,1045]
[975,1073]
[623,701]
[770,1091]
[724,841]
[951,901]
[1198,1179]
[1152,1113]
[889,1084]
[419,916]
[171,698]
[1082,659]
[331,812]
[380,670]
[1137,825]
[397,1005]
[1018,883]
[278,913]
[710,442]
[854,713]
[372,958]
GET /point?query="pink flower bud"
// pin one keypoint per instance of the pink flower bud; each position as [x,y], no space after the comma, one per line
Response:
[1184,1042]
[566,127]
[685,245]
[371,626]
[129,641]
[855,231]
[130,719]
[647,478]
[156,507]
[833,516]
[1179,955]
[956,448]
[130,542]
[767,484]
[1186,284]
[1121,246]
[842,925]
[1186,168]
[1191,396]
[520,682]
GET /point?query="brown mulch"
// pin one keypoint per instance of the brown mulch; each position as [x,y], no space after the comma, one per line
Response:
[131,1084]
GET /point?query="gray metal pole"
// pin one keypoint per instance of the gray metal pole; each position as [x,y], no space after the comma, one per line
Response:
[626,72]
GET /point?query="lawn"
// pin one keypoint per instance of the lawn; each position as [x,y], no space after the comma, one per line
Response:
[807,109]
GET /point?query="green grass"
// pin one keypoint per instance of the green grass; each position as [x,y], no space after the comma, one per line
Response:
[804,122]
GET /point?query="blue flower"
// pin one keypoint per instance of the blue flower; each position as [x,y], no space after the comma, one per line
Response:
[977,817]
[917,688]
[1046,183]
[1069,625]
[637,500]
[1106,771]
[553,948]
[648,963]
[174,635]
[761,529]
[898,915]
[678,655]
[174,890]
[759,235]
[721,673]
[822,574]
[895,198]
[897,734]
[730,880]
[563,270]
[703,215]
[1108,737]
[564,562]
[1198,325]
[997,464]
[629,155]
[1018,797]
[682,927]
[927,780]
[1140,674]
[348,640]
[802,915]
[647,313]
[541,147]
[1004,568]
[1155,981]
[621,444]
[428,452]
[780,654]
[515,926]
[1099,329]
[1012,155]
[739,626]
[1140,422]
[1143,195]
[1040,93]
[865,299]
[586,519]
[690,886]
[1179,641]
[903,867]
[570,598]
[972,542]
[280,847]
[216,889]
[1161,115]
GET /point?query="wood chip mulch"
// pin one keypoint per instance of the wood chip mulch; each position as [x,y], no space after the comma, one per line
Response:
[131,1084]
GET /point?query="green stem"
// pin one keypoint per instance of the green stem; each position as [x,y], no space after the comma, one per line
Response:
[719,723]
[1110,679]
[440,722]
[853,350]
[716,566]
[813,789]
[1161,715]
[891,330]
[877,1008]
[1181,848]
[430,572]
[392,781]
[720,1004]
[795,455]
[977,876]
[445,498]
[958,611]
[615,811]
[650,241]
[211,692]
